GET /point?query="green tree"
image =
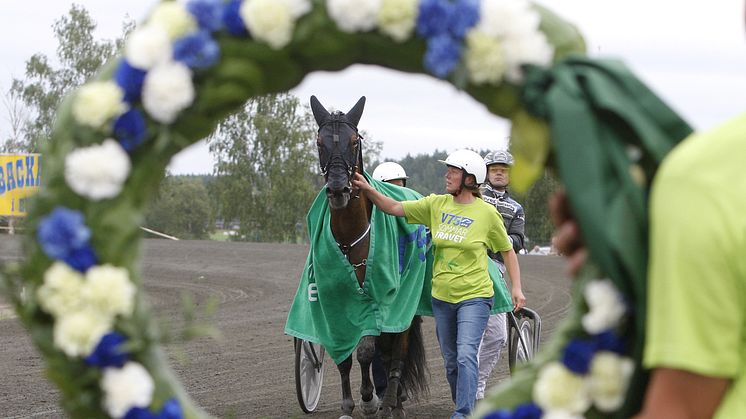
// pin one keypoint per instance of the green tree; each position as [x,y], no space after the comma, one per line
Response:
[539,227]
[79,56]
[266,167]
[371,151]
[426,173]
[14,141]
[182,208]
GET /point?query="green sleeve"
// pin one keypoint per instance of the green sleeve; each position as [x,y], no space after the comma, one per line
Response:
[418,212]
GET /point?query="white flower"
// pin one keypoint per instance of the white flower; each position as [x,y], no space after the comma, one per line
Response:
[97,102]
[109,291]
[78,333]
[560,414]
[125,388]
[396,18]
[507,18]
[270,21]
[299,8]
[557,388]
[484,58]
[60,294]
[609,379]
[147,46]
[530,48]
[354,15]
[174,18]
[167,90]
[605,306]
[99,171]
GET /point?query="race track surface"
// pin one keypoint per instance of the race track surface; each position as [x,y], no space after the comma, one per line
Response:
[248,372]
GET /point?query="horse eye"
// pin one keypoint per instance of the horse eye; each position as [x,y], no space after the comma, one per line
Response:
[318,140]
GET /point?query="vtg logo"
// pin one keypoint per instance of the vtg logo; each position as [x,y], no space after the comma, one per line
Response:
[455,220]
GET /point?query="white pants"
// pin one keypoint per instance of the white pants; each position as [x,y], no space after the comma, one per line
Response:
[493,341]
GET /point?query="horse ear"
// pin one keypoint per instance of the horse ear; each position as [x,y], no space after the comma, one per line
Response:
[354,115]
[319,111]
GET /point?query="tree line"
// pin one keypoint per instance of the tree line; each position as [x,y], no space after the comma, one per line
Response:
[266,170]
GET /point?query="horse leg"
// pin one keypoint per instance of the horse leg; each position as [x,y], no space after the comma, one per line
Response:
[391,399]
[365,351]
[347,403]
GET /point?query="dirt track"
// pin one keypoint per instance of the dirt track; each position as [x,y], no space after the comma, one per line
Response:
[249,372]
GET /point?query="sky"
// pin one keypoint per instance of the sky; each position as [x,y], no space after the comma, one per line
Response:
[691,53]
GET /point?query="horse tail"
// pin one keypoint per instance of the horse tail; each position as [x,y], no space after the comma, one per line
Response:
[416,372]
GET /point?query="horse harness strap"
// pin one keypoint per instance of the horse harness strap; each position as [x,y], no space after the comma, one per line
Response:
[345,248]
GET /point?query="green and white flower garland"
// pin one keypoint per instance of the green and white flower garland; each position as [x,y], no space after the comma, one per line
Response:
[118,129]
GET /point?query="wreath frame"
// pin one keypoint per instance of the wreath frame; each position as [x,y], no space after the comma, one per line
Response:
[617,113]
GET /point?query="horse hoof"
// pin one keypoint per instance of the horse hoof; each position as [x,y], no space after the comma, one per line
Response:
[370,408]
[345,417]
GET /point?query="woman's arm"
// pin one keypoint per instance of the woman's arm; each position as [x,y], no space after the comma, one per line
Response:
[514,272]
[383,202]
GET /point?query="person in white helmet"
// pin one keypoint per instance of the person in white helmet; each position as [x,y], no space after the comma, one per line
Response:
[391,172]
[495,192]
[463,228]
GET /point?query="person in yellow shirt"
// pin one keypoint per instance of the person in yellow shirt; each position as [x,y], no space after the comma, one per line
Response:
[463,228]
[695,341]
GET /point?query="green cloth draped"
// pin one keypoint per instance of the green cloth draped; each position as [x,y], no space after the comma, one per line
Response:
[609,134]
[331,309]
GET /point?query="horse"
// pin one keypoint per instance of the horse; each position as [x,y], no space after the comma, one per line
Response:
[340,156]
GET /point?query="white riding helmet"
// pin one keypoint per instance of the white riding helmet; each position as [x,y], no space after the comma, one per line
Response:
[389,170]
[471,162]
[498,157]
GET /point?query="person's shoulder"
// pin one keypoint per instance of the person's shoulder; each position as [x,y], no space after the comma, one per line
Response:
[708,149]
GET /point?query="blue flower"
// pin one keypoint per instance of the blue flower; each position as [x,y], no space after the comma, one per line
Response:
[208,13]
[499,414]
[197,50]
[130,129]
[81,259]
[171,410]
[139,413]
[610,341]
[61,232]
[442,55]
[527,411]
[433,17]
[464,16]
[109,352]
[578,354]
[232,19]
[130,79]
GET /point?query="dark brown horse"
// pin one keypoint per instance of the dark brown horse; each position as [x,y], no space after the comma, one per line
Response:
[340,156]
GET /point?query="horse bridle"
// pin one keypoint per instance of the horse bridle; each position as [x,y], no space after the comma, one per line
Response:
[335,157]
[349,163]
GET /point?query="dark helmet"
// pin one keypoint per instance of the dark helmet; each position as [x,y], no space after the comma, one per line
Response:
[498,157]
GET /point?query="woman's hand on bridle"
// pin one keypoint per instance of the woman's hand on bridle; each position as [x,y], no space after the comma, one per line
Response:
[359,181]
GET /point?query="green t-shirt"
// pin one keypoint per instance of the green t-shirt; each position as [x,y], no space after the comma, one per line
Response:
[461,234]
[697,274]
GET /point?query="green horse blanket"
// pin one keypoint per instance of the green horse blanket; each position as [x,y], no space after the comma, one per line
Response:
[329,306]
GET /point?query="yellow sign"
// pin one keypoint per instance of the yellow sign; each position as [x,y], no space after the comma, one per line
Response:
[19,179]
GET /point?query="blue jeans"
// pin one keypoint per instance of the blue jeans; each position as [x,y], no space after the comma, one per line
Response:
[459,328]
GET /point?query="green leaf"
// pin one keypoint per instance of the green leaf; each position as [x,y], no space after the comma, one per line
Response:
[529,144]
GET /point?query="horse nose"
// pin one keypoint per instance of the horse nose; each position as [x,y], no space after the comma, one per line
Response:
[345,190]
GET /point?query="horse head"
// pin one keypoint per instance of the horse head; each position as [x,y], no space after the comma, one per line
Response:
[340,151]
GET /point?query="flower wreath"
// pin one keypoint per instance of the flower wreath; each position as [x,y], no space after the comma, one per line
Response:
[190,64]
